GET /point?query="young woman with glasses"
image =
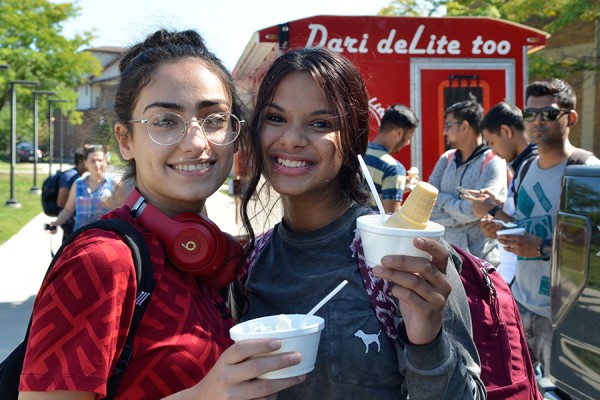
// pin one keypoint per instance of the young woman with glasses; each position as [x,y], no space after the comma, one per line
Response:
[179,126]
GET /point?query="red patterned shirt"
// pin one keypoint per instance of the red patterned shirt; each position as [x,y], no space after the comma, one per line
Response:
[83,311]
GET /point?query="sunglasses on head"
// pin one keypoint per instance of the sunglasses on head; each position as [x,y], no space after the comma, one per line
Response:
[547,113]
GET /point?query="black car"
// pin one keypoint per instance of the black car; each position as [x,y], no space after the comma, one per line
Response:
[575,295]
[25,152]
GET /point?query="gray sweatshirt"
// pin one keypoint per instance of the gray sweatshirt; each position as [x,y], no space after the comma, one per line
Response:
[356,358]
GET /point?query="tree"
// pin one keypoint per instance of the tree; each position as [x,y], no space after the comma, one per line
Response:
[548,15]
[32,43]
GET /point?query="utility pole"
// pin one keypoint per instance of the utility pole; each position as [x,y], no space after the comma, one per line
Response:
[51,131]
[12,201]
[35,189]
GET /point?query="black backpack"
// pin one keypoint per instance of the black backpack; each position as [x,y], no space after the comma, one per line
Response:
[50,189]
[11,367]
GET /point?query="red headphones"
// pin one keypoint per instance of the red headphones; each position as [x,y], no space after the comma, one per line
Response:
[192,242]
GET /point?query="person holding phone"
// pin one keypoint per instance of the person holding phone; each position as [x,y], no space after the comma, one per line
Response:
[471,165]
[549,115]
[504,131]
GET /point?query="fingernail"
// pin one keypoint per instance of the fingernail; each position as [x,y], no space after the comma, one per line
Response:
[275,344]
[386,260]
[377,270]
[419,242]
[295,358]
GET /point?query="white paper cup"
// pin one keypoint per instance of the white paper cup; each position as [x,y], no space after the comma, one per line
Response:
[379,240]
[303,340]
[511,231]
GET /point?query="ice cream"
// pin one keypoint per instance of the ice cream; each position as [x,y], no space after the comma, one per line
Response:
[281,323]
[416,210]
[413,172]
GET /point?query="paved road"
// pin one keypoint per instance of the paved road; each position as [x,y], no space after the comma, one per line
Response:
[42,168]
[25,257]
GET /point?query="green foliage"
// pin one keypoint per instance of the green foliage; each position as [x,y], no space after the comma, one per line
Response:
[32,43]
[548,15]
[551,15]
[413,8]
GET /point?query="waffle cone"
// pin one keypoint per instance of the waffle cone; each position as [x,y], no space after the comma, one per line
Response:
[416,210]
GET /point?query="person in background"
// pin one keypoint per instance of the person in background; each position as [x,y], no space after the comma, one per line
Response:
[90,193]
[179,120]
[504,131]
[397,127]
[67,179]
[417,330]
[473,166]
[549,114]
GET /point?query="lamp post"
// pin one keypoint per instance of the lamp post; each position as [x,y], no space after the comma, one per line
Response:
[51,131]
[61,137]
[12,202]
[35,189]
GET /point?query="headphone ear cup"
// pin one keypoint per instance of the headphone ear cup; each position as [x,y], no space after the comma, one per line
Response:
[199,247]
[193,243]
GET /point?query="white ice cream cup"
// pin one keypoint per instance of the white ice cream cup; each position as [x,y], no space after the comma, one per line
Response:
[303,340]
[378,240]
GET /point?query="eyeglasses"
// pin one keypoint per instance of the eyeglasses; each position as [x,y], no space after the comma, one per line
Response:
[448,125]
[168,128]
[547,113]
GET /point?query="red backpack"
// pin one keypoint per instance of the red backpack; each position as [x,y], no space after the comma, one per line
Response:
[506,368]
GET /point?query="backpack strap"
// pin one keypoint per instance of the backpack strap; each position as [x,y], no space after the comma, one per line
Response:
[450,156]
[521,175]
[579,156]
[489,156]
[379,292]
[145,285]
[236,296]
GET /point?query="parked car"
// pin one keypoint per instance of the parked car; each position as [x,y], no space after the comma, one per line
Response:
[575,292]
[25,152]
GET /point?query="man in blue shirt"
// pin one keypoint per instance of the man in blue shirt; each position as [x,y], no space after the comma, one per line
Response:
[389,175]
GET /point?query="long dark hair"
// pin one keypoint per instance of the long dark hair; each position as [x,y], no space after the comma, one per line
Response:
[346,94]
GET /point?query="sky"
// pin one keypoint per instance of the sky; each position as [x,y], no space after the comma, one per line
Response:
[227,25]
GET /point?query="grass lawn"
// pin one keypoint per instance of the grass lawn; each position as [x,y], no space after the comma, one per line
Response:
[13,219]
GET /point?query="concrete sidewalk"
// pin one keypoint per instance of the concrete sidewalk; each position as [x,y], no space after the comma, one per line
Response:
[25,257]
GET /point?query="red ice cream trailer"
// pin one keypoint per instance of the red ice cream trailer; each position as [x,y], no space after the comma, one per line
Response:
[427,63]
